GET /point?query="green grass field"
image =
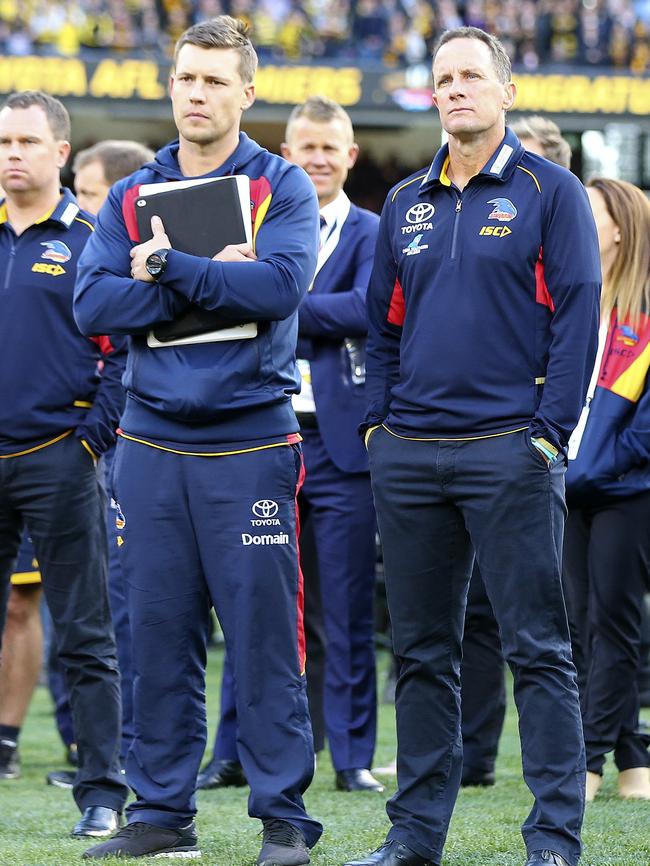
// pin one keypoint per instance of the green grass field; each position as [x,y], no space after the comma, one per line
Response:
[35,819]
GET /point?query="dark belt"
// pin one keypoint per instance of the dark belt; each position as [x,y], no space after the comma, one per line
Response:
[307,420]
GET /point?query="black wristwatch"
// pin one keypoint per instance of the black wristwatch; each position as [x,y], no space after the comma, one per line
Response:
[156,263]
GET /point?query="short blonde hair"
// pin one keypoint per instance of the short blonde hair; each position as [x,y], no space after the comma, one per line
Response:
[222,32]
[320,109]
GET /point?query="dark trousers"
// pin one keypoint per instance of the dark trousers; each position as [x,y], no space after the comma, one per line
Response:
[60,696]
[340,508]
[483,690]
[120,615]
[191,536]
[437,503]
[57,494]
[120,618]
[315,637]
[606,568]
[644,667]
[55,673]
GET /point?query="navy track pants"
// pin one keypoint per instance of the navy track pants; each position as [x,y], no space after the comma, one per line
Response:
[221,530]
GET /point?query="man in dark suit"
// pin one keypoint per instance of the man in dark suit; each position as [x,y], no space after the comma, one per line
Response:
[336,497]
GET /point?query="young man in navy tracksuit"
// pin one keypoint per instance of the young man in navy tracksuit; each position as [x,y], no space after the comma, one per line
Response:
[208,465]
[336,496]
[57,416]
[483,309]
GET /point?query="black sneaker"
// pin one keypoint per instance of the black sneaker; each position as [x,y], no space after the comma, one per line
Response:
[284,844]
[145,840]
[9,760]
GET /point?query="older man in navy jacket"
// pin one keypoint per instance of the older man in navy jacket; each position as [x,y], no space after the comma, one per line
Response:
[483,311]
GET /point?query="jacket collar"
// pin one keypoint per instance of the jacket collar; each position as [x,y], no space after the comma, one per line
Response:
[166,160]
[498,167]
[63,213]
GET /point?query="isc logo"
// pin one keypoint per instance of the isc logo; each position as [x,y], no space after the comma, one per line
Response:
[45,268]
[496,231]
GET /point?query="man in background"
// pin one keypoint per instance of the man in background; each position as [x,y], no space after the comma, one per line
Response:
[22,658]
[96,169]
[336,495]
[58,416]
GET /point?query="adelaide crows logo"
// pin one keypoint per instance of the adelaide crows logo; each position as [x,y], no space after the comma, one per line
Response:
[56,251]
[120,519]
[626,335]
[504,210]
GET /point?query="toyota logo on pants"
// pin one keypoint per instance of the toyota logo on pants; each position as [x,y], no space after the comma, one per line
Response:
[265,508]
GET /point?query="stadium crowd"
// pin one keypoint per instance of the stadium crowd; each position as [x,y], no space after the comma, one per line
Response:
[614,33]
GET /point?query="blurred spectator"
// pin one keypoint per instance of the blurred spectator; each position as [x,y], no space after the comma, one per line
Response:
[296,35]
[331,20]
[595,33]
[265,27]
[203,9]
[640,48]
[370,29]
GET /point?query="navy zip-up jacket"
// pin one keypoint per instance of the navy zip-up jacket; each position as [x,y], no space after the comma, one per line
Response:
[613,460]
[483,304]
[52,378]
[208,392]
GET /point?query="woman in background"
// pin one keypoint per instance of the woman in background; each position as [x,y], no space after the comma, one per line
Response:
[607,540]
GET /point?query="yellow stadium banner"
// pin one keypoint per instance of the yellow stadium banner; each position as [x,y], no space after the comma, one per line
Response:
[397,90]
[147,80]
[580,94]
[62,76]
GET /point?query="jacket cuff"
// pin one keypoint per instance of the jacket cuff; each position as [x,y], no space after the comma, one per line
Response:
[540,430]
[366,424]
[92,444]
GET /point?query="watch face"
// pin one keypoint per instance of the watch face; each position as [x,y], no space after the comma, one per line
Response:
[155,263]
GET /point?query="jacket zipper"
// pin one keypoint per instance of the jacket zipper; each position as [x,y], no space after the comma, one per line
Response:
[459,204]
[12,256]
